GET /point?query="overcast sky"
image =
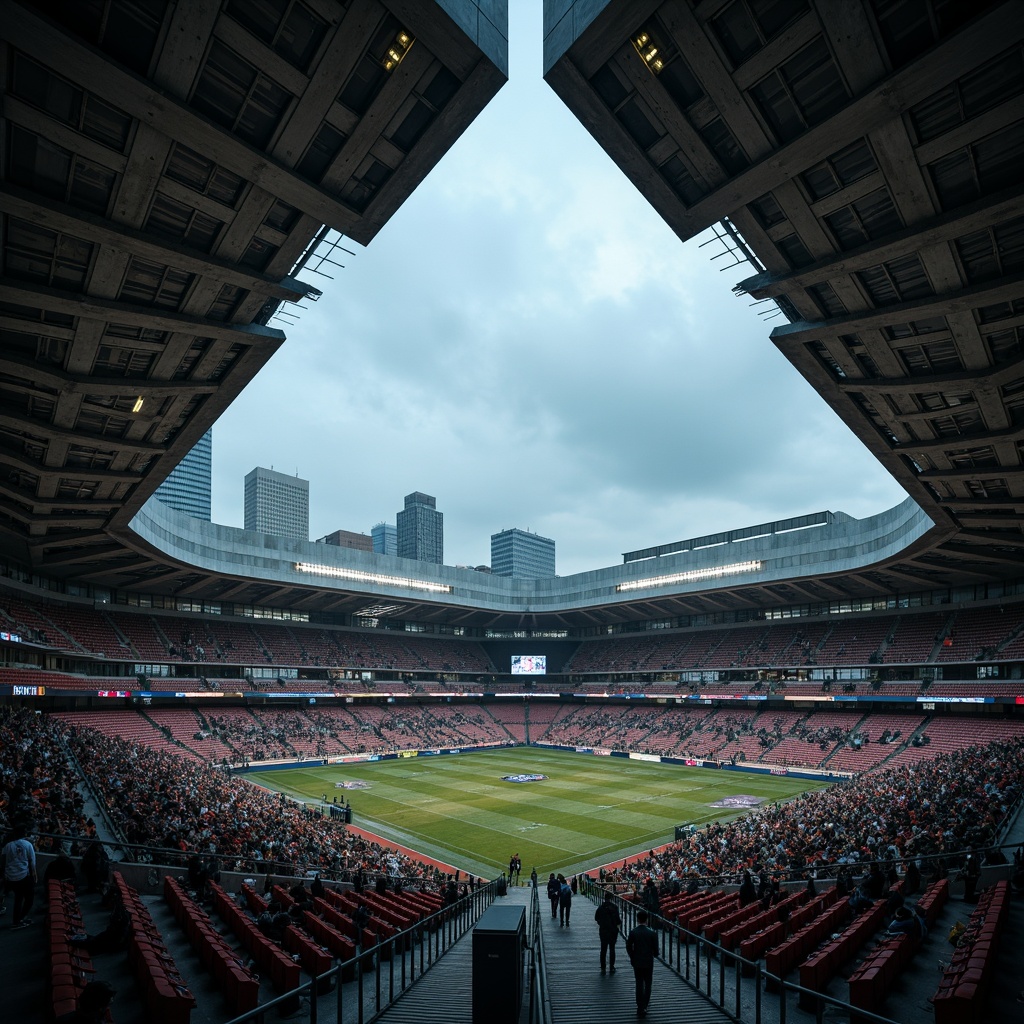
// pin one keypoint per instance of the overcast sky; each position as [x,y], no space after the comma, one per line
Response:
[527,341]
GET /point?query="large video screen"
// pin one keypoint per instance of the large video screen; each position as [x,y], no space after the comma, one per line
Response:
[529,664]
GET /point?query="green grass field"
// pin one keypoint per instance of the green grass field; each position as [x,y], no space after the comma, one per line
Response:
[589,811]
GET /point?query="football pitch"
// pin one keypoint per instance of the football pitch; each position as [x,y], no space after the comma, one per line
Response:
[588,811]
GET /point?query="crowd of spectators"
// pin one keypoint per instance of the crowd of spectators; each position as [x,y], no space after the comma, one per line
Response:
[264,733]
[903,814]
[696,732]
[37,786]
[154,798]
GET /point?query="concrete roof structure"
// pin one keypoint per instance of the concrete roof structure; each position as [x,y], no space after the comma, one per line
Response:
[168,171]
[865,158]
[165,182]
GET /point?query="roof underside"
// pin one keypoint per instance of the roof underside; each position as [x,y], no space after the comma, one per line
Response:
[870,167]
[866,157]
[166,169]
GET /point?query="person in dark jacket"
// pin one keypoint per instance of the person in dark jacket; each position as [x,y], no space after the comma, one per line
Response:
[92,1005]
[608,923]
[553,887]
[748,892]
[564,903]
[651,899]
[642,947]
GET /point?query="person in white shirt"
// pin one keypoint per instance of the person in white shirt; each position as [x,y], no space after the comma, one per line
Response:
[19,862]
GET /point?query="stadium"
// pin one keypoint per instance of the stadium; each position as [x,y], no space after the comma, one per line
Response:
[200,720]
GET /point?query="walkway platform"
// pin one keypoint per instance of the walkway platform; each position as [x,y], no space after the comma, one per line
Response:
[580,994]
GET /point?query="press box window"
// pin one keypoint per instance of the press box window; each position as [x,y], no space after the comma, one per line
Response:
[909,27]
[37,164]
[980,168]
[326,145]
[170,219]
[991,84]
[33,253]
[839,170]
[126,29]
[369,76]
[870,217]
[194,171]
[151,284]
[745,26]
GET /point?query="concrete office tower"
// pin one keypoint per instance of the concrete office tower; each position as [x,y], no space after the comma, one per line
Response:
[385,538]
[276,503]
[421,529]
[348,539]
[522,555]
[188,487]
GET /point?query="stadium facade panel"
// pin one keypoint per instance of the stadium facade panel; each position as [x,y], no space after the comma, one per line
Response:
[310,575]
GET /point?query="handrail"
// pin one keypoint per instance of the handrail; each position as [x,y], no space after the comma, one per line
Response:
[540,996]
[174,860]
[423,944]
[673,938]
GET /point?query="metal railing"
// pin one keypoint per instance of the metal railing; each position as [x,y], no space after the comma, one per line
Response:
[395,964]
[539,997]
[717,973]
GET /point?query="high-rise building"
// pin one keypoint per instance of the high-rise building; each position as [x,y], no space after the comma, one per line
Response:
[522,555]
[348,539]
[420,529]
[188,487]
[276,503]
[385,538]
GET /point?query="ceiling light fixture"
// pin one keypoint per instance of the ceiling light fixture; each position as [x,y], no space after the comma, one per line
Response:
[691,576]
[648,50]
[358,576]
[397,50]
[138,404]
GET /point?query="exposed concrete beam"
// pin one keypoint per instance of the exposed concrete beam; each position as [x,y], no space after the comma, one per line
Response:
[1001,290]
[108,311]
[72,384]
[167,114]
[60,217]
[1004,206]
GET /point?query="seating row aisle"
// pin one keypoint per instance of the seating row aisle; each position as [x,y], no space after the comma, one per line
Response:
[774,916]
[240,986]
[875,975]
[282,970]
[828,915]
[167,997]
[960,998]
[824,963]
[70,966]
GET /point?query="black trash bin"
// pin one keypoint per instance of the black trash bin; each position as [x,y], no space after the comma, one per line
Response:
[498,941]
